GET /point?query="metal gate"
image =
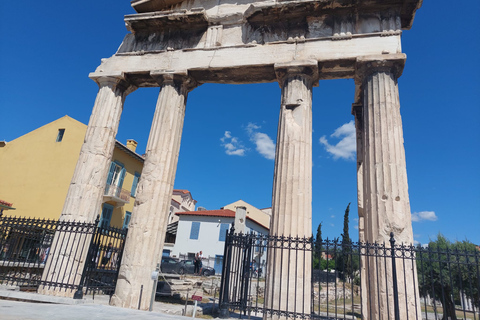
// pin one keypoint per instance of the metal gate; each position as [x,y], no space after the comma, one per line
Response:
[27,244]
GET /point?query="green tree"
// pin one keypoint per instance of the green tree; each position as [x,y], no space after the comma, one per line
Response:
[347,262]
[317,248]
[345,234]
[444,268]
[318,240]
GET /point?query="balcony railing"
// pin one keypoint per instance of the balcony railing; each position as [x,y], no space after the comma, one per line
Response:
[117,194]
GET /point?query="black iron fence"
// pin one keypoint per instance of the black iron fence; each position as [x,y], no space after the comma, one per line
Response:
[302,278]
[42,253]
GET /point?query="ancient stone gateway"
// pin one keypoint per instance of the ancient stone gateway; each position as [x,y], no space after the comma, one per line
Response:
[177,45]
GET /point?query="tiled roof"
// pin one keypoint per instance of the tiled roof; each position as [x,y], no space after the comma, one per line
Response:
[209,213]
[181,191]
[217,213]
[8,204]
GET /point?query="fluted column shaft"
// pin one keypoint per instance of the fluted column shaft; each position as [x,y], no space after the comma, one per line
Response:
[288,282]
[357,111]
[85,194]
[147,228]
[385,188]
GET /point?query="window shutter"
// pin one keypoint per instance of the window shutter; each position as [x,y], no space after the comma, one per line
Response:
[110,173]
[106,216]
[135,183]
[126,220]
[122,176]
[223,231]
[195,230]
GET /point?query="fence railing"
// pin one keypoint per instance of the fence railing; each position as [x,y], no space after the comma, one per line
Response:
[353,280]
[30,249]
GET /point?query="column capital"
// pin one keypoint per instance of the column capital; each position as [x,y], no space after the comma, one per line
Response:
[306,68]
[113,80]
[366,65]
[175,77]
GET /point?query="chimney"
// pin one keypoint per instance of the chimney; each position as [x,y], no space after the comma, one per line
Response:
[132,144]
[240,217]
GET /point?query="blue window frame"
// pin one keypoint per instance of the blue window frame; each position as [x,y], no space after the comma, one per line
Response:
[223,231]
[195,230]
[106,216]
[136,177]
[126,220]
[116,174]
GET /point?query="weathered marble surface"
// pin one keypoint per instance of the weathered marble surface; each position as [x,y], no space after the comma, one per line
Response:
[292,190]
[85,194]
[147,228]
[385,188]
[221,41]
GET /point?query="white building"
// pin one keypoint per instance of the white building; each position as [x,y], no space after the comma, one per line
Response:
[205,231]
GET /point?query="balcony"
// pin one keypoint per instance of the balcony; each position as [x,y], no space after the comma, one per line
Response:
[117,195]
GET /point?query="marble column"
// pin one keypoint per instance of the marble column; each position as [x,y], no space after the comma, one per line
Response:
[147,228]
[385,188]
[85,194]
[289,271]
[357,112]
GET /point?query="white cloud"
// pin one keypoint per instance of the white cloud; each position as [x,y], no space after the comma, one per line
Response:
[332,216]
[424,216]
[265,145]
[232,146]
[346,147]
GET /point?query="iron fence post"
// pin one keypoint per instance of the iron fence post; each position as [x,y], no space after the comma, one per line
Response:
[224,303]
[394,272]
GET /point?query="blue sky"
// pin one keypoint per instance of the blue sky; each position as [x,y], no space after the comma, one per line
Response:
[47,50]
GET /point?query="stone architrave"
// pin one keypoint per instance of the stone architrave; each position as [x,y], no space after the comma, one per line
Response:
[85,194]
[292,195]
[385,187]
[146,232]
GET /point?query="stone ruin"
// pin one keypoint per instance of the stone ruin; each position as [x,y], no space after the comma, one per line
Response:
[178,45]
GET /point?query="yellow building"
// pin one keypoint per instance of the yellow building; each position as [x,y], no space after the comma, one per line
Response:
[36,169]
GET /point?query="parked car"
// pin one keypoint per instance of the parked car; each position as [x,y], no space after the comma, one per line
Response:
[187,267]
[169,265]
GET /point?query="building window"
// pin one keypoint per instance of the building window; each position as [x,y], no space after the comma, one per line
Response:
[106,216]
[60,134]
[116,174]
[195,230]
[223,231]
[126,220]
[136,177]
